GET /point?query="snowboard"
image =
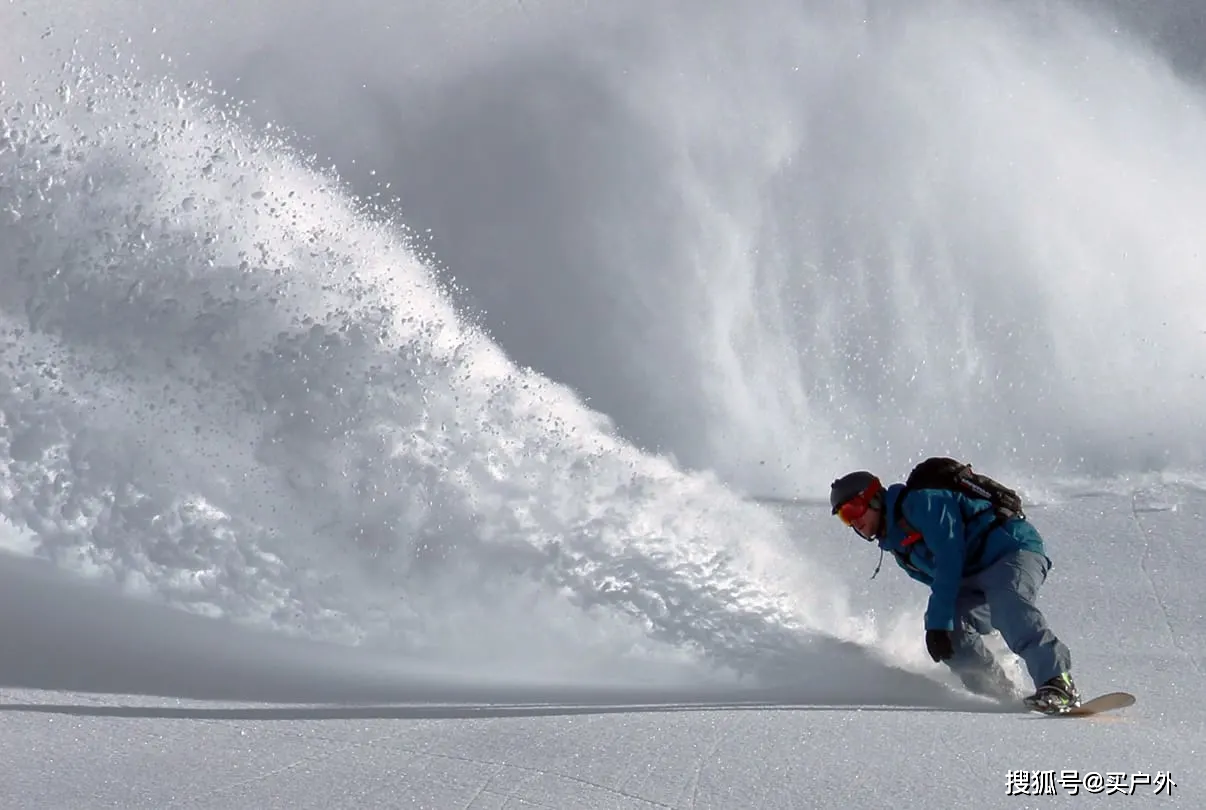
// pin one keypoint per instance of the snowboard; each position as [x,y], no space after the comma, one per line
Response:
[1102,703]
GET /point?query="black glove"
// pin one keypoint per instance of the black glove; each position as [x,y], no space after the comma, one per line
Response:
[939,645]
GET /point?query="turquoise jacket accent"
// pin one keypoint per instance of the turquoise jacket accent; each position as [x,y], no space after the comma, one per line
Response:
[959,538]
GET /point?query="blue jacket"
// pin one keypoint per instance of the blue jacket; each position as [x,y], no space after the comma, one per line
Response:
[957,540]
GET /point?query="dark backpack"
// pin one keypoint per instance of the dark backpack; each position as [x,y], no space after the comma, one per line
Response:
[947,473]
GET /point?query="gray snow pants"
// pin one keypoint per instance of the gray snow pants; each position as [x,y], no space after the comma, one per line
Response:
[1002,597]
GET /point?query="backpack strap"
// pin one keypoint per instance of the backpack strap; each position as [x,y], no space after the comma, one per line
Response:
[898,508]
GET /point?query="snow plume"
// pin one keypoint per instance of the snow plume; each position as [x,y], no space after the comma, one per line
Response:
[782,243]
[772,247]
[228,387]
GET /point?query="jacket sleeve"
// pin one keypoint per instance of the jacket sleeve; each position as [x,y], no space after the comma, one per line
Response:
[936,514]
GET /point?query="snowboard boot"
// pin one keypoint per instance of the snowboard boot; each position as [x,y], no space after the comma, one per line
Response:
[1056,696]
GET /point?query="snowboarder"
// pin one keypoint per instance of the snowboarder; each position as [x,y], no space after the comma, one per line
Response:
[984,573]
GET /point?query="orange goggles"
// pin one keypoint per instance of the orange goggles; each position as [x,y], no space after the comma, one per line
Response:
[857,506]
[854,509]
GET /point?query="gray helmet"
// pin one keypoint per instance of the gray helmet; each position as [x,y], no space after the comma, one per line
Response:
[849,486]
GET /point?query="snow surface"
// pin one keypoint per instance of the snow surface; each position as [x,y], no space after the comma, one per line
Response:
[487,468]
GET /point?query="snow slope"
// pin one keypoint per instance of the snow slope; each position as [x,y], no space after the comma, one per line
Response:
[259,723]
[434,405]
